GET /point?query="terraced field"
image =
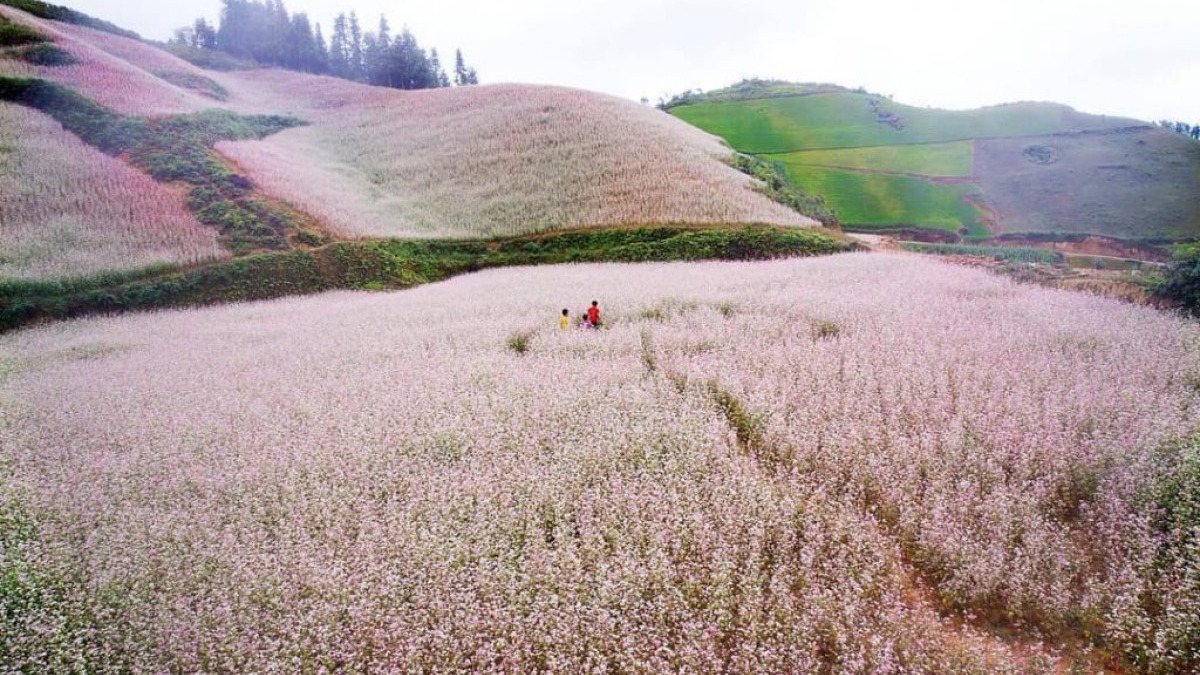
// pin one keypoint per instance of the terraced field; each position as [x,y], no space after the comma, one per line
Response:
[885,201]
[852,120]
[949,159]
[1017,168]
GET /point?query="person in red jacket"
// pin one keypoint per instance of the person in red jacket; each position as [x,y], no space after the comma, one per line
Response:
[593,314]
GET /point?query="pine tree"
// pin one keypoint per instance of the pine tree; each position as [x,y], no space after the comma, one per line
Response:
[460,69]
[302,50]
[356,67]
[276,31]
[204,36]
[462,74]
[232,31]
[409,63]
[385,33]
[339,57]
[322,51]
[379,72]
[440,78]
[371,58]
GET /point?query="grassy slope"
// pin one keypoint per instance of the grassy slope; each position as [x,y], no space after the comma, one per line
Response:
[1136,185]
[847,121]
[68,209]
[1111,176]
[950,159]
[283,251]
[888,202]
[378,265]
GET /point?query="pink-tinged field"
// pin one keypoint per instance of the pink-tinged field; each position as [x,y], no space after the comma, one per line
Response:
[113,71]
[488,160]
[69,210]
[474,161]
[795,466]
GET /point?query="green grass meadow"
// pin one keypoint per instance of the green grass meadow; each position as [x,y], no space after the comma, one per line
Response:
[943,160]
[846,120]
[886,201]
[876,162]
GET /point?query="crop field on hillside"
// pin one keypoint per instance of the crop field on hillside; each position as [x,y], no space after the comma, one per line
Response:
[851,120]
[1025,167]
[768,467]
[873,200]
[487,161]
[951,160]
[1135,185]
[103,77]
[69,210]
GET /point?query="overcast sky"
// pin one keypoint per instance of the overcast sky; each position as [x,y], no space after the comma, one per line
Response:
[1137,59]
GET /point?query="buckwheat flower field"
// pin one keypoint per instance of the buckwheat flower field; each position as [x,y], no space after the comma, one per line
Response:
[67,209]
[856,464]
[126,86]
[486,160]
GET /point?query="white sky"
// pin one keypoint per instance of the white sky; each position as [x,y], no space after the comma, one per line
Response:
[1135,59]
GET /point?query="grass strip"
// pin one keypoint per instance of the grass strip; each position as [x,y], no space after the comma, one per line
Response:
[178,148]
[391,264]
[1005,253]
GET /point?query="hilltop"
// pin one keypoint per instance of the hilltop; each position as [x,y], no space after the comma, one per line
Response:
[269,162]
[1014,170]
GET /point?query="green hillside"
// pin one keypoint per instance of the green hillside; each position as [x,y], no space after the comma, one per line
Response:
[950,159]
[1023,168]
[853,120]
[890,201]
[135,180]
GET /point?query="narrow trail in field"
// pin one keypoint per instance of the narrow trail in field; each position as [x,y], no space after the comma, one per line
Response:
[1000,644]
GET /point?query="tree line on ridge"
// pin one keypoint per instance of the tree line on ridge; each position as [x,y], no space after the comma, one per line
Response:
[263,31]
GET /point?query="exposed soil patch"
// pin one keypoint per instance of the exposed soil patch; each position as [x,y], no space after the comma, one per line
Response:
[885,116]
[1041,154]
[921,234]
[1088,245]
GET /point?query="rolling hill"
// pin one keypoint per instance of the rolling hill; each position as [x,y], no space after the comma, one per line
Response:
[861,463]
[471,161]
[1017,169]
[71,210]
[267,162]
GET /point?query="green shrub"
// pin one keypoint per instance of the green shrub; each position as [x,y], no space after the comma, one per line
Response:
[1181,283]
[15,34]
[209,59]
[45,54]
[1004,253]
[826,330]
[774,183]
[519,342]
[196,83]
[45,10]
